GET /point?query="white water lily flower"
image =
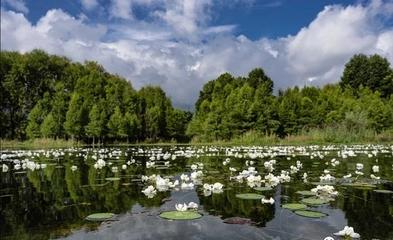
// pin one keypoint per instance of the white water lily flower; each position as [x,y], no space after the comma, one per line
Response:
[217,187]
[347,176]
[5,168]
[304,177]
[124,167]
[115,169]
[324,191]
[372,176]
[150,191]
[74,168]
[232,169]
[207,187]
[375,169]
[192,205]
[359,166]
[187,185]
[184,177]
[194,167]
[181,207]
[254,181]
[264,200]
[347,232]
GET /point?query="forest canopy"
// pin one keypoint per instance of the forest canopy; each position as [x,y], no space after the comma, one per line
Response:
[48,96]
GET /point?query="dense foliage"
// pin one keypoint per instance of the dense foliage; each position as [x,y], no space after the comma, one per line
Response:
[49,96]
[228,107]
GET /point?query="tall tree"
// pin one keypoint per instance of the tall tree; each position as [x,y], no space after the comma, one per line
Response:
[368,71]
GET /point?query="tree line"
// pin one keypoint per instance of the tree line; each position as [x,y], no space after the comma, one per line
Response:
[50,96]
[231,106]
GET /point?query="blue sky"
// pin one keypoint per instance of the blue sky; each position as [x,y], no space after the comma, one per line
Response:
[180,45]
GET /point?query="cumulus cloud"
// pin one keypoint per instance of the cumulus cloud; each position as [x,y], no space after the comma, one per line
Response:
[180,51]
[18,5]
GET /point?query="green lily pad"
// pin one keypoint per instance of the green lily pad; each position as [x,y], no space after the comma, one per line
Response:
[100,217]
[306,193]
[360,185]
[314,201]
[112,179]
[262,189]
[383,191]
[323,183]
[178,215]
[294,206]
[249,196]
[310,214]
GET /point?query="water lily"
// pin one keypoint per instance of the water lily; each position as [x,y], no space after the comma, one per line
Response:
[375,169]
[184,177]
[359,166]
[192,205]
[124,167]
[181,207]
[347,232]
[324,191]
[74,168]
[150,191]
[270,201]
[5,168]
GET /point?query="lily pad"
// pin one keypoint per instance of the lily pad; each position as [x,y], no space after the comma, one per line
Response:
[178,215]
[100,217]
[262,189]
[383,191]
[310,214]
[323,183]
[360,185]
[112,179]
[249,196]
[294,206]
[306,193]
[314,201]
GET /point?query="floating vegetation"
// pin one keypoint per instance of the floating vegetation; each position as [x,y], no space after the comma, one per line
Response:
[180,215]
[294,206]
[383,191]
[314,201]
[263,189]
[359,185]
[249,196]
[100,217]
[112,179]
[306,193]
[310,214]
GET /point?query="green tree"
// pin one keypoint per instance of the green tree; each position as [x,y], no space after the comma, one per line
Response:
[48,126]
[368,71]
[95,127]
[74,122]
[34,121]
[116,124]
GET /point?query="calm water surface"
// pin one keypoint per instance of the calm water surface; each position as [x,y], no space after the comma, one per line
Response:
[53,202]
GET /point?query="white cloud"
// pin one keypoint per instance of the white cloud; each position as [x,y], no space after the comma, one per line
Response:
[18,5]
[89,4]
[183,52]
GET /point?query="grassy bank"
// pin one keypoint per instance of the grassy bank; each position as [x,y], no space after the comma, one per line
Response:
[329,135]
[40,143]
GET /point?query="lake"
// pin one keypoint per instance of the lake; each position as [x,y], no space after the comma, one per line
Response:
[47,194]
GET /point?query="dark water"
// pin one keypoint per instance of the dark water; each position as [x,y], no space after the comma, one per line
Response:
[53,202]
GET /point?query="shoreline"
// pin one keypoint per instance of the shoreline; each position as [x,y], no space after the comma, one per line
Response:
[268,141]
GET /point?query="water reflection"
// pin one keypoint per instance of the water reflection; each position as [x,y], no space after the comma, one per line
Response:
[53,202]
